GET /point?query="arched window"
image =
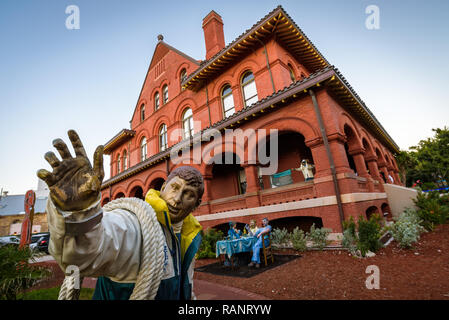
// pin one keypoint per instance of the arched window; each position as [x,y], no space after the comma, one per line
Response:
[142,112]
[292,73]
[143,149]
[249,89]
[156,101]
[227,100]
[182,77]
[165,94]
[187,123]
[118,164]
[125,160]
[163,137]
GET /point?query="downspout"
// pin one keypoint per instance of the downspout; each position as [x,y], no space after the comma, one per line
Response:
[208,107]
[329,156]
[268,63]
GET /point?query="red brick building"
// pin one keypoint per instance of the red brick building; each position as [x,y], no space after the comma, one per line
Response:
[270,77]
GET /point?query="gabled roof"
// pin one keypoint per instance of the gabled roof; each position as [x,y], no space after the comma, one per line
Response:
[276,23]
[161,49]
[119,138]
[14,204]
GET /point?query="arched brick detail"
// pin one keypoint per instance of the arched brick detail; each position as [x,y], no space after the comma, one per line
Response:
[216,90]
[133,184]
[182,106]
[247,65]
[119,190]
[162,119]
[153,176]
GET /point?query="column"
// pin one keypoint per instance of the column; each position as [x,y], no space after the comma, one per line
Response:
[359,161]
[252,185]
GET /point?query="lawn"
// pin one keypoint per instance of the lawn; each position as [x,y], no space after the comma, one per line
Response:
[52,294]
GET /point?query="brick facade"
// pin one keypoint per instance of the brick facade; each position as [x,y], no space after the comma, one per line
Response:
[284,75]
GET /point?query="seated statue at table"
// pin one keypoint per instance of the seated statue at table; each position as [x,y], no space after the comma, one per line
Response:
[233,232]
[251,228]
[263,235]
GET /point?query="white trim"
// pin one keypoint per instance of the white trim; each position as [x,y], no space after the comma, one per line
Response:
[295,205]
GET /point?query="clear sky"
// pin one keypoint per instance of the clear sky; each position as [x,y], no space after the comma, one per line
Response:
[53,79]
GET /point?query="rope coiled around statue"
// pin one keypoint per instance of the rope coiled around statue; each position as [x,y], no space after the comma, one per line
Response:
[152,254]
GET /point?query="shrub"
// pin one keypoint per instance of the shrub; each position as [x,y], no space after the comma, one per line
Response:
[318,236]
[16,273]
[350,239]
[407,229]
[298,239]
[279,237]
[432,209]
[208,243]
[369,234]
[363,235]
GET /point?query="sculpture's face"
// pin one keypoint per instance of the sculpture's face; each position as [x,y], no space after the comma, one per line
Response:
[180,197]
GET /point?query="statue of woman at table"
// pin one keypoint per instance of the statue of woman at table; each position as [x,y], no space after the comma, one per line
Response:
[233,232]
[263,235]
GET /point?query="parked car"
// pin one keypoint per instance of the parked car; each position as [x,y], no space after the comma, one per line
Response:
[34,239]
[42,243]
[9,240]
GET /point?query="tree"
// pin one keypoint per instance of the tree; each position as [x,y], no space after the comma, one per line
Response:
[428,161]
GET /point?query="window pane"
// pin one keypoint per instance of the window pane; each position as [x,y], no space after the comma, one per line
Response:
[250,93]
[187,113]
[165,94]
[248,76]
[229,112]
[156,101]
[142,112]
[163,137]
[228,102]
[226,90]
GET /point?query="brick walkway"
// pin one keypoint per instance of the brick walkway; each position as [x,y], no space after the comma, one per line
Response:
[204,290]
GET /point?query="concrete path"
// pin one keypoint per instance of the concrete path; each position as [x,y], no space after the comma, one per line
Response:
[205,290]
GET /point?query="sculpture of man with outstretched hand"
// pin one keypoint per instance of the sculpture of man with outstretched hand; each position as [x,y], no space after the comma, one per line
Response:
[128,243]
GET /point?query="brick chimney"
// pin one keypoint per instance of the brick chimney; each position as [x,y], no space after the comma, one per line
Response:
[213,34]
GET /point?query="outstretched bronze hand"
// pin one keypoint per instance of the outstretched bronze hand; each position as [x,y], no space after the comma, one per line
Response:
[74,184]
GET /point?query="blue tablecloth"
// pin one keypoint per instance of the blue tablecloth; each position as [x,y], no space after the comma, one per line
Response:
[230,247]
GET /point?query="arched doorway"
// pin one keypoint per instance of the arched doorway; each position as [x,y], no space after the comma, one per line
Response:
[371,211]
[290,223]
[137,192]
[350,144]
[105,200]
[119,195]
[228,176]
[386,211]
[157,183]
[291,151]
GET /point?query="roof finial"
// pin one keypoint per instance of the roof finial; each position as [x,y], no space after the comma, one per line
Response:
[160,37]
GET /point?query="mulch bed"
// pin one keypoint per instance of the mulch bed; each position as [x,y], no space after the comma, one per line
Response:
[418,273]
[242,270]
